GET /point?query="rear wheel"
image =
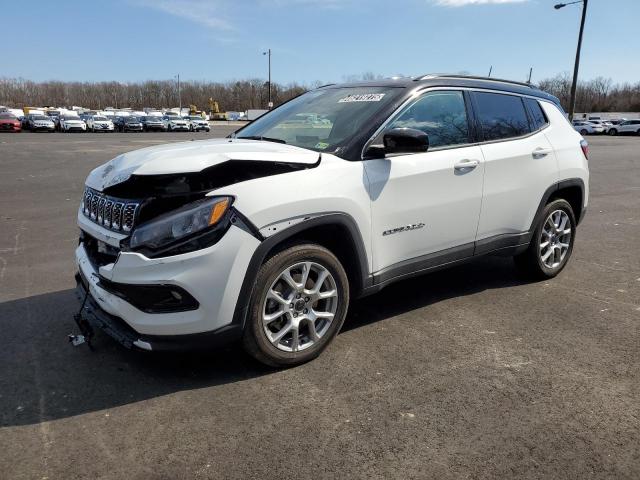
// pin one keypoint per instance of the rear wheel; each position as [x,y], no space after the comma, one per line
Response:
[298,305]
[583,132]
[552,242]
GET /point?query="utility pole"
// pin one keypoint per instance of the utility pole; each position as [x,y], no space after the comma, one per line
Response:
[179,95]
[574,85]
[268,53]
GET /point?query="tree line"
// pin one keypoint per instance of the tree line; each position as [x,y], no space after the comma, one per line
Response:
[231,96]
[597,95]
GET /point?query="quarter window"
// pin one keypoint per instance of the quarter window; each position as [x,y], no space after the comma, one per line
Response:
[441,115]
[537,114]
[501,116]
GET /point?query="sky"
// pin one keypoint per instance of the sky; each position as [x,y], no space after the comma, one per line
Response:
[313,40]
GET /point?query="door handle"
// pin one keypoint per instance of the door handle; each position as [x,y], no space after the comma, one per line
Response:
[540,152]
[464,165]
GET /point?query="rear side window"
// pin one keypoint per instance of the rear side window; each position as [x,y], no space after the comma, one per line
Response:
[538,117]
[501,116]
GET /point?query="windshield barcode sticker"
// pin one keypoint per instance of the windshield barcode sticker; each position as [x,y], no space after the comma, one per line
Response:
[368,97]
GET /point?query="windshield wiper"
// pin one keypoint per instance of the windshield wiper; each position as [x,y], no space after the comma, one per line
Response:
[266,139]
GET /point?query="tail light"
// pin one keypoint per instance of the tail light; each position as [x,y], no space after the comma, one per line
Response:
[585,148]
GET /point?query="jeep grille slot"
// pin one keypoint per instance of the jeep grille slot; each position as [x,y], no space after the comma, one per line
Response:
[115,214]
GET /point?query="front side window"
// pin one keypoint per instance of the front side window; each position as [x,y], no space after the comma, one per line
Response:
[501,116]
[440,114]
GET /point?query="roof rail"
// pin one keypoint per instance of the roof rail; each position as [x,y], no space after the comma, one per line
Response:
[471,77]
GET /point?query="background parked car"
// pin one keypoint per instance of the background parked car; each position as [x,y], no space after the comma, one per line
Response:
[586,128]
[129,124]
[153,123]
[606,125]
[9,123]
[175,123]
[72,123]
[197,123]
[626,127]
[98,123]
[37,123]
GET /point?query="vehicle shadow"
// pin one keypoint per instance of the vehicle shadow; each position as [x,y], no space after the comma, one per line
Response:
[44,378]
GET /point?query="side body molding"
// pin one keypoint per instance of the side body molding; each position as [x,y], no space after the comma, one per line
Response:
[371,283]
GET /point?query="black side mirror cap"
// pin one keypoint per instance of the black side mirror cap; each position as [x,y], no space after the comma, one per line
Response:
[405,140]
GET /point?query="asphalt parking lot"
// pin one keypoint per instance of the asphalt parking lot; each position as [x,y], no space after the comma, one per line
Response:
[467,373]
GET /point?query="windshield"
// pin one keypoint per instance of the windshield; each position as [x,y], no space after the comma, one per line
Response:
[39,117]
[7,115]
[322,120]
[100,119]
[132,120]
[71,119]
[195,117]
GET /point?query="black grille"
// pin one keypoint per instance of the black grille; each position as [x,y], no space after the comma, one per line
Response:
[114,214]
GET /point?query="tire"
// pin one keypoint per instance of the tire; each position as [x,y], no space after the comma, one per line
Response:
[532,262]
[583,132]
[296,307]
[613,132]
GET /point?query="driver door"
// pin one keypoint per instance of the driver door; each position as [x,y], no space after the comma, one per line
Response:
[426,206]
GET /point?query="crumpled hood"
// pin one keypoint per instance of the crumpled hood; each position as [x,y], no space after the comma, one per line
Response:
[195,156]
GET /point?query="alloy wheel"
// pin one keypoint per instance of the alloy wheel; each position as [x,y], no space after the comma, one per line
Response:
[299,306]
[555,239]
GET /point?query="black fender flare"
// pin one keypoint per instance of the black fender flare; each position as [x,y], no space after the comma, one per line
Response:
[314,220]
[569,182]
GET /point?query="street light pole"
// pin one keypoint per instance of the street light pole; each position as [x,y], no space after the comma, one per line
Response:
[268,53]
[574,85]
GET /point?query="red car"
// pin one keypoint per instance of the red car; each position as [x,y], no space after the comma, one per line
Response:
[9,122]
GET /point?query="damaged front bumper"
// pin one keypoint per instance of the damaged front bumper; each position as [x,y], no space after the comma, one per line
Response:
[213,276]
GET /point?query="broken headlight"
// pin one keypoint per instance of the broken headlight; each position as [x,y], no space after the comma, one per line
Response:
[182,225]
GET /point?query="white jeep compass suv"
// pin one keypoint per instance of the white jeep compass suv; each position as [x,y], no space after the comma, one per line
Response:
[265,236]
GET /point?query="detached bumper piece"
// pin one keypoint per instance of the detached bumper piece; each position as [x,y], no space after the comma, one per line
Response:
[96,317]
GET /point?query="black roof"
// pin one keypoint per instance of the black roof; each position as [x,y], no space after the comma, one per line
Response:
[451,80]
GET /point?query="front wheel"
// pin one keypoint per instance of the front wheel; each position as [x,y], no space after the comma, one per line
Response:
[613,132]
[297,306]
[552,242]
[583,132]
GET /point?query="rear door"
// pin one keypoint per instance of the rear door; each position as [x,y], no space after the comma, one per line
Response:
[520,165]
[630,126]
[426,203]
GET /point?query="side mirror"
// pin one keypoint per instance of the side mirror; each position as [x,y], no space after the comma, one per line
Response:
[405,140]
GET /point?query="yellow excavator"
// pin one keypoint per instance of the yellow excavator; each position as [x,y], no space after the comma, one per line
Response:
[214,111]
